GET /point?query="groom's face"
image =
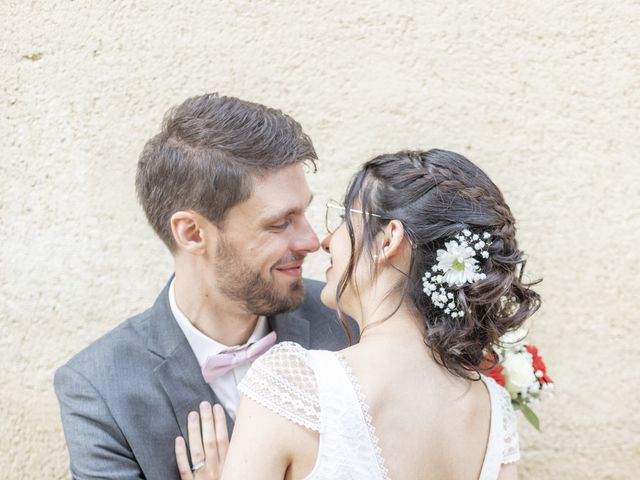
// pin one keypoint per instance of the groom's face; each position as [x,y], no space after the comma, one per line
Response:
[262,245]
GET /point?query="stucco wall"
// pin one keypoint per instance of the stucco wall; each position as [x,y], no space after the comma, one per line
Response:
[545,96]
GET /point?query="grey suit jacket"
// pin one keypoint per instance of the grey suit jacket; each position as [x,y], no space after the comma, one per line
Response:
[126,397]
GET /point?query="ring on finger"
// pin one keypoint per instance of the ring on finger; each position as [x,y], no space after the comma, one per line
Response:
[197,467]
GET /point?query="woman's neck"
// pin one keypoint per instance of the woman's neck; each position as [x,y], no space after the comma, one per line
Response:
[402,325]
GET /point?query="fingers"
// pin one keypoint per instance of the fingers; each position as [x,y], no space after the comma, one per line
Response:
[183,461]
[208,443]
[222,436]
[195,439]
[209,435]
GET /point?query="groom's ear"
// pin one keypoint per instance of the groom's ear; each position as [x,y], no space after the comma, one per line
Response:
[188,230]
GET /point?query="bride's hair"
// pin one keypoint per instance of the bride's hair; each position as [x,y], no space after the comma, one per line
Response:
[436,194]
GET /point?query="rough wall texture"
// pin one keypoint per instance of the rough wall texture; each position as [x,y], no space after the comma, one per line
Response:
[544,95]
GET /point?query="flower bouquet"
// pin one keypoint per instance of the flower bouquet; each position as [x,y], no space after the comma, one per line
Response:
[523,373]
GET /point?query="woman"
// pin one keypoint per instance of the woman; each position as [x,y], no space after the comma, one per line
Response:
[424,257]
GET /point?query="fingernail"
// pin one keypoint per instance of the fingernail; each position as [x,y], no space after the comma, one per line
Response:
[193,416]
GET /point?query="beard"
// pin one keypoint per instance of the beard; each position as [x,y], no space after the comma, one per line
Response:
[239,282]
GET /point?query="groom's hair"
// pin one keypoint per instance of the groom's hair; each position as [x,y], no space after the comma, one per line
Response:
[207,155]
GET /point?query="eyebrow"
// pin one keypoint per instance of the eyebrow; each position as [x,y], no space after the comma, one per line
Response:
[278,216]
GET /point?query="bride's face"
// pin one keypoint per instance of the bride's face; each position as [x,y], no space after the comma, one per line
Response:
[338,246]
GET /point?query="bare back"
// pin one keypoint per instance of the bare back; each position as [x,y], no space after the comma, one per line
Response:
[429,423]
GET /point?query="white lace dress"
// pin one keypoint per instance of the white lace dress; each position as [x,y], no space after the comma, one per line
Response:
[317,390]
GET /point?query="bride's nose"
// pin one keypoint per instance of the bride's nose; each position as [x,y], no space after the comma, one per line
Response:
[325,243]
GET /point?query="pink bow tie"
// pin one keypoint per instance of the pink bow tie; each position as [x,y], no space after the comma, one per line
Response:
[218,365]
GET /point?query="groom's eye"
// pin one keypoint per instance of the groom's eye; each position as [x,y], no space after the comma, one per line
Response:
[281,226]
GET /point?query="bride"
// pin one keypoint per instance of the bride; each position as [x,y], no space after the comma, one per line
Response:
[423,256]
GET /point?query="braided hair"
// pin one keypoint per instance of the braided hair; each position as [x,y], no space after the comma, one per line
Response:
[435,195]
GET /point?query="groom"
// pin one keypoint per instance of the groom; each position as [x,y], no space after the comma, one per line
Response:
[223,186]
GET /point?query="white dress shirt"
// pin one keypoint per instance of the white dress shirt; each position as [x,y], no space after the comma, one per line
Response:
[226,386]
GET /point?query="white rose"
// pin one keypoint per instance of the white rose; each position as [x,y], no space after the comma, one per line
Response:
[518,373]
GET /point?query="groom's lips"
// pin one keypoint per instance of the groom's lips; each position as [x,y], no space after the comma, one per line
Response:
[291,269]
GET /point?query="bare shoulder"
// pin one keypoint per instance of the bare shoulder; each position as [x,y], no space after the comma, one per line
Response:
[267,445]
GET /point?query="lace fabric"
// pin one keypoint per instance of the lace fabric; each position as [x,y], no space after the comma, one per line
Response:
[282,381]
[503,446]
[317,390]
[511,446]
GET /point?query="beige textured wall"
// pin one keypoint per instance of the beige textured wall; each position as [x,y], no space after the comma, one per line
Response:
[545,97]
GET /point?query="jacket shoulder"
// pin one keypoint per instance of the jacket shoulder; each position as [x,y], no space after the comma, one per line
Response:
[103,352]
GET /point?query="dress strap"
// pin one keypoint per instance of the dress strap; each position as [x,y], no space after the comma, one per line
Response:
[503,434]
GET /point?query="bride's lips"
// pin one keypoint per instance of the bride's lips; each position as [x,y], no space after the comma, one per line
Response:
[292,269]
[329,267]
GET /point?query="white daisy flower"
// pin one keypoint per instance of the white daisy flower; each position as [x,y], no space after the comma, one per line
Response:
[458,264]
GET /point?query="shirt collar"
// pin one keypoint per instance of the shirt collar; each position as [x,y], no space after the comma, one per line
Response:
[202,345]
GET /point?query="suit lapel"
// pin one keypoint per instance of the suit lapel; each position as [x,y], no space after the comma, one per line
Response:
[179,373]
[182,381]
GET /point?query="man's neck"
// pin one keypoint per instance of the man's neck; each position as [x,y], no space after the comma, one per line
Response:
[223,320]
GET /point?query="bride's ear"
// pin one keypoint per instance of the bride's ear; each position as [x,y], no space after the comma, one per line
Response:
[394,241]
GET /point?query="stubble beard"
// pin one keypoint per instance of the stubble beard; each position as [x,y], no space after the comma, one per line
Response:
[239,282]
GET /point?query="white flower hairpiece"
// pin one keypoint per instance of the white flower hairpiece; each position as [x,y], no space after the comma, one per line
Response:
[457,266]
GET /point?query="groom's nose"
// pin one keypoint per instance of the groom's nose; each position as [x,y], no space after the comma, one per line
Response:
[305,238]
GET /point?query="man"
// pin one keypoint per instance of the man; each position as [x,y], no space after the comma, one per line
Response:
[223,186]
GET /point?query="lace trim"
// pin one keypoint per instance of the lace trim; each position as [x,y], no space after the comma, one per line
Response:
[505,427]
[294,395]
[282,381]
[507,461]
[511,445]
[246,390]
[365,411]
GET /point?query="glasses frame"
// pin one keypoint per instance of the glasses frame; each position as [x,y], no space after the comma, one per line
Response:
[337,206]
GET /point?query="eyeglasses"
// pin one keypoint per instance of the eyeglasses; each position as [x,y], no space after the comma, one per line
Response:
[334,216]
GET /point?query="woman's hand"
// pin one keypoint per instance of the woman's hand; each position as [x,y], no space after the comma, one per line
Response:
[208,447]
